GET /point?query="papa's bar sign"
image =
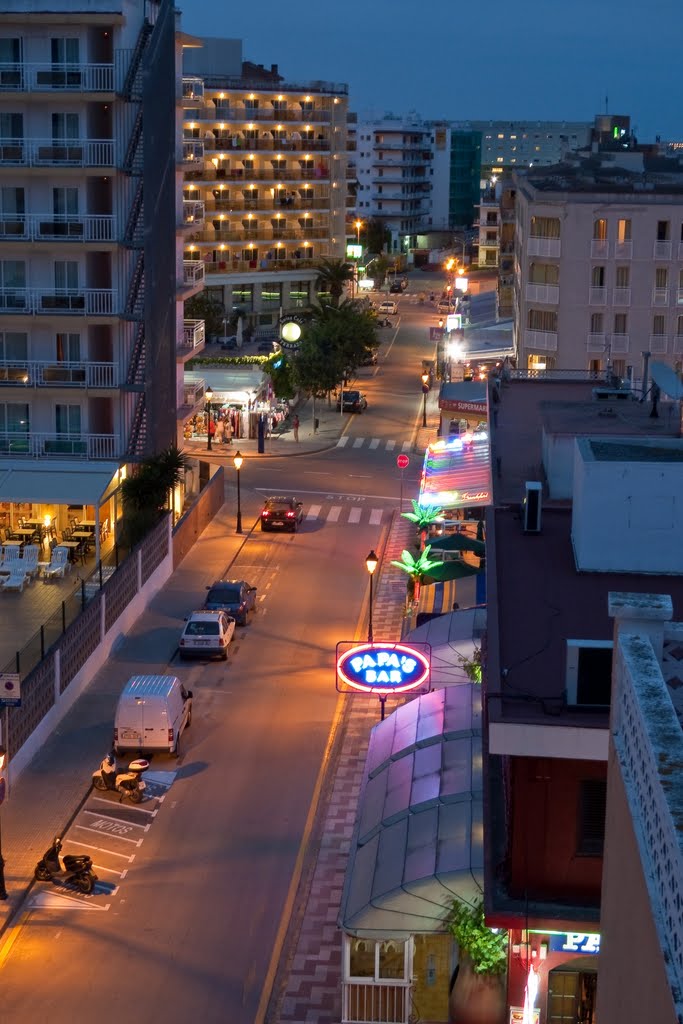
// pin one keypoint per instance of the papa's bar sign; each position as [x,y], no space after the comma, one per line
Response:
[382,668]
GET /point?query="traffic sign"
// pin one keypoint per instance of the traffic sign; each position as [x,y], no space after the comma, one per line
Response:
[402,461]
[10,690]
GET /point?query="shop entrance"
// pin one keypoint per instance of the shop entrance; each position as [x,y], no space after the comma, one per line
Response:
[572,993]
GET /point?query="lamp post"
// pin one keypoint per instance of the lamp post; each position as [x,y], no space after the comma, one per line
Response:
[358,224]
[209,396]
[237,463]
[425,390]
[371,563]
[3,758]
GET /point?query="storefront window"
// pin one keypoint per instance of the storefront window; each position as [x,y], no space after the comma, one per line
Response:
[271,294]
[391,956]
[299,293]
[243,295]
[362,963]
[378,961]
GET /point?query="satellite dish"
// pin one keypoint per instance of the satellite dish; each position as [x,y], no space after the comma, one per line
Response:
[667,380]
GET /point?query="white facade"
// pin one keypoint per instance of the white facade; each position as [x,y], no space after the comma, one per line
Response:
[599,269]
[529,143]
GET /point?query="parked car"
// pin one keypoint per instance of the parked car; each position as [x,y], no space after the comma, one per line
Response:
[206,633]
[388,306]
[395,287]
[281,513]
[235,597]
[354,401]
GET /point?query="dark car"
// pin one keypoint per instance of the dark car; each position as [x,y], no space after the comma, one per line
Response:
[281,513]
[395,288]
[236,597]
[354,401]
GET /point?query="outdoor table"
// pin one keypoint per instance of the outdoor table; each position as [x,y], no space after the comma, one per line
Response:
[34,522]
[87,524]
[25,531]
[13,543]
[72,545]
[82,534]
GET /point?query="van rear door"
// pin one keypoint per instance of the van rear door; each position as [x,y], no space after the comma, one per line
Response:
[129,723]
[156,724]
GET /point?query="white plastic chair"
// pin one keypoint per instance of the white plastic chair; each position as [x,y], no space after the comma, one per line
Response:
[58,564]
[15,580]
[29,560]
[11,555]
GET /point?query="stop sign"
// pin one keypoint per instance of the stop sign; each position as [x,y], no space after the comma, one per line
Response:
[402,461]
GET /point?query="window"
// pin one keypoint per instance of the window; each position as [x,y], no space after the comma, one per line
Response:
[658,324]
[623,230]
[66,275]
[597,323]
[65,202]
[299,293]
[68,419]
[271,293]
[598,277]
[591,824]
[623,277]
[661,277]
[12,274]
[600,230]
[377,961]
[542,320]
[243,295]
[65,51]
[544,273]
[14,418]
[620,323]
[68,348]
[251,104]
[11,126]
[679,326]
[663,230]
[65,127]
[545,227]
[12,201]
[13,346]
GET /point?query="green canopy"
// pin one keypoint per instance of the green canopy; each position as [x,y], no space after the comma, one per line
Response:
[459,542]
[449,571]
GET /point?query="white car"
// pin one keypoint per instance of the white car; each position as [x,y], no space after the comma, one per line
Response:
[388,306]
[206,633]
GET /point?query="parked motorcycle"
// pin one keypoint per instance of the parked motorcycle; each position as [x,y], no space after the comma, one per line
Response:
[386,322]
[75,870]
[128,783]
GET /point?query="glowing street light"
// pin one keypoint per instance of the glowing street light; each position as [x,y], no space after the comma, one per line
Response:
[209,398]
[371,563]
[358,225]
[425,389]
[237,463]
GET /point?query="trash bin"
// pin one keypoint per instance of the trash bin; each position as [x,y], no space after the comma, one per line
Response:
[316,424]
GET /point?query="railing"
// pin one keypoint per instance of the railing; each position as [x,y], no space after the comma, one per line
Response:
[225,206]
[26,152]
[543,246]
[194,334]
[193,151]
[59,445]
[619,343]
[556,374]
[658,343]
[599,248]
[230,266]
[621,297]
[64,77]
[243,234]
[380,1003]
[193,211]
[660,297]
[193,89]
[193,393]
[662,250]
[596,343]
[57,227]
[545,341]
[597,296]
[234,112]
[193,272]
[233,146]
[623,250]
[292,174]
[59,301]
[25,373]
[542,293]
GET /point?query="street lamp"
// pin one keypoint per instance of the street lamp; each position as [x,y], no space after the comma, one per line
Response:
[3,890]
[237,463]
[371,562]
[209,396]
[358,224]
[425,390]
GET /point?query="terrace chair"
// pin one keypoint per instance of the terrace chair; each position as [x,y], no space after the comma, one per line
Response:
[15,580]
[58,564]
[10,556]
[29,560]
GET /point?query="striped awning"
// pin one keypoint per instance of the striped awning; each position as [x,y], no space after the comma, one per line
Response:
[457,472]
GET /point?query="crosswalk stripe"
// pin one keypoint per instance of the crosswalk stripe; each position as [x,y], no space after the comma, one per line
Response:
[354,515]
[333,514]
[391,445]
[343,441]
[313,512]
[358,443]
[376,517]
[406,446]
[374,443]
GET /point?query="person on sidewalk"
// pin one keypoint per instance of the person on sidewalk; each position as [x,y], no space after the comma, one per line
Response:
[295,427]
[220,431]
[227,431]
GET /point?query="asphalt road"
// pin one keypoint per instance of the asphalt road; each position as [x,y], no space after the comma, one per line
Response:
[185,929]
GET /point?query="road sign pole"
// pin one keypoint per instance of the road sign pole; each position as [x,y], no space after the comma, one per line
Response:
[402,462]
[400,502]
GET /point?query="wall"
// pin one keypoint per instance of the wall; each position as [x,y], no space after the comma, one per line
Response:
[543,837]
[190,525]
[558,463]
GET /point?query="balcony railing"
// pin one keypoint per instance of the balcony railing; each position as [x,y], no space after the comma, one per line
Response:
[549,293]
[383,1003]
[619,343]
[658,343]
[59,445]
[193,90]
[194,334]
[623,250]
[56,78]
[545,341]
[599,248]
[53,227]
[270,203]
[662,250]
[193,393]
[543,246]
[235,145]
[597,296]
[660,297]
[596,343]
[193,212]
[33,374]
[272,235]
[193,151]
[193,272]
[221,112]
[621,297]
[230,266]
[59,301]
[27,152]
[291,174]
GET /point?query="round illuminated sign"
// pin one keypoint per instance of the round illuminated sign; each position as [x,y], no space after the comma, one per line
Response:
[291,331]
[383,668]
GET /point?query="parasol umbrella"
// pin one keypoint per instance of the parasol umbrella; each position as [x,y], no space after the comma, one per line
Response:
[240,331]
[460,542]
[449,571]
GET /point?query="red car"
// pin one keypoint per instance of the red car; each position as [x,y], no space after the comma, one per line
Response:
[282,514]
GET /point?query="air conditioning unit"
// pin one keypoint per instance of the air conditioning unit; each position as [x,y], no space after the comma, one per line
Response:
[531,506]
[589,673]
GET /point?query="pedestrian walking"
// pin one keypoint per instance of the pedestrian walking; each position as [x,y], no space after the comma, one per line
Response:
[227,431]
[295,427]
[220,431]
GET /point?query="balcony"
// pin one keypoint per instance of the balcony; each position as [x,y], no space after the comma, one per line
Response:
[596,343]
[658,343]
[52,227]
[193,275]
[549,293]
[621,297]
[660,297]
[193,212]
[679,297]
[235,266]
[193,394]
[193,151]
[59,78]
[193,337]
[662,250]
[53,445]
[221,207]
[27,152]
[268,235]
[623,250]
[234,145]
[599,249]
[541,341]
[32,374]
[543,246]
[597,296]
[218,175]
[59,301]
[193,91]
[619,343]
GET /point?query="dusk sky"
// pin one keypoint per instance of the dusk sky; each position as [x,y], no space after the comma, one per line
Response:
[526,59]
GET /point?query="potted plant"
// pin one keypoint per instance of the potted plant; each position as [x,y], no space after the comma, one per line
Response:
[478,992]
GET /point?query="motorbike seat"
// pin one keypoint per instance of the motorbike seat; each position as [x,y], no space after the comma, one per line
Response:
[73,861]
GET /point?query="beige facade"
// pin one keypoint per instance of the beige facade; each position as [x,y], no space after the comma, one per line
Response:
[599,269]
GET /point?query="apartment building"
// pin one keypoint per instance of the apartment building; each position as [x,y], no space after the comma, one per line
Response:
[599,263]
[266,181]
[394,171]
[582,500]
[507,145]
[89,256]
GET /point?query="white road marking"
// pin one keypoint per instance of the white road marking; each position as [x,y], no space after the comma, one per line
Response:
[133,824]
[313,512]
[343,441]
[358,443]
[112,835]
[376,517]
[406,446]
[101,849]
[391,445]
[48,900]
[374,443]
[354,515]
[333,514]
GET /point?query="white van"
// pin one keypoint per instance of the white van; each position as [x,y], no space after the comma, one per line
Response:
[151,714]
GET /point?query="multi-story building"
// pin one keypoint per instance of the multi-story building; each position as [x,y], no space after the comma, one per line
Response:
[394,170]
[583,507]
[456,177]
[599,263]
[89,256]
[266,180]
[507,145]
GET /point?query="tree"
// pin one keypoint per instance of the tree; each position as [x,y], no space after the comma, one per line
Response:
[376,235]
[333,276]
[417,569]
[145,493]
[211,311]
[423,516]
[280,370]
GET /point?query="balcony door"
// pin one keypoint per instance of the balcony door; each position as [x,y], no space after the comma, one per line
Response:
[12,210]
[68,420]
[65,127]
[67,290]
[13,285]
[10,63]
[14,428]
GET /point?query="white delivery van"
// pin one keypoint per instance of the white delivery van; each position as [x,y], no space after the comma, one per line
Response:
[151,714]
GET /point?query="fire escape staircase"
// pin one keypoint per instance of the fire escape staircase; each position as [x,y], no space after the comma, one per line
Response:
[132,83]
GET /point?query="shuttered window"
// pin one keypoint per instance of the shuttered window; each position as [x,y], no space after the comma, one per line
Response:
[591,826]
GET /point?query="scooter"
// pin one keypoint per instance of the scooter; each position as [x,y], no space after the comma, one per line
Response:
[386,322]
[128,783]
[71,869]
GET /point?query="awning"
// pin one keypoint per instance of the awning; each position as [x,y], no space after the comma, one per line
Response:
[452,637]
[418,839]
[468,397]
[457,472]
[61,483]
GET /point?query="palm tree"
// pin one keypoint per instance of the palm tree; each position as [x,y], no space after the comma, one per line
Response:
[417,569]
[145,493]
[333,276]
[423,516]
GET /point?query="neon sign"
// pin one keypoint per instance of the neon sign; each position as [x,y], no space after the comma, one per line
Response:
[575,942]
[383,667]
